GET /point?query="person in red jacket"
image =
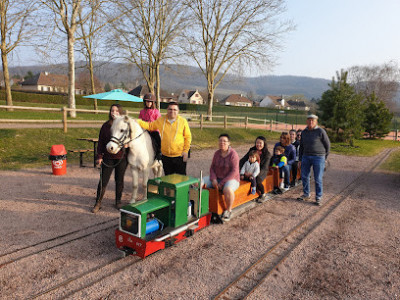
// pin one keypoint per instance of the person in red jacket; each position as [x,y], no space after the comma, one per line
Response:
[109,162]
[149,114]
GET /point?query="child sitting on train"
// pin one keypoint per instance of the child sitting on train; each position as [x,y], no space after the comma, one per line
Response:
[279,160]
[251,169]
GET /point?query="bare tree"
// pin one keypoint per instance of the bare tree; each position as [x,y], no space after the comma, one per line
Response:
[382,80]
[66,14]
[14,30]
[235,33]
[87,48]
[89,38]
[147,34]
[86,81]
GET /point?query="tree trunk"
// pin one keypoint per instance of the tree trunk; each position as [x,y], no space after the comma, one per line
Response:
[210,101]
[158,83]
[6,76]
[71,74]
[211,89]
[151,80]
[92,79]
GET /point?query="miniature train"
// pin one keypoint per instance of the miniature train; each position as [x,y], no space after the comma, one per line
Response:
[176,207]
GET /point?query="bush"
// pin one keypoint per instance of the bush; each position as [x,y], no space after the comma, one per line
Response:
[377,120]
[341,110]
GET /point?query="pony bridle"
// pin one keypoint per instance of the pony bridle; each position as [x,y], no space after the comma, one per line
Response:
[125,138]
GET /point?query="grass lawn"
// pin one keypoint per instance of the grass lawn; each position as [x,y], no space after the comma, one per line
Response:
[393,163]
[363,147]
[24,148]
[370,148]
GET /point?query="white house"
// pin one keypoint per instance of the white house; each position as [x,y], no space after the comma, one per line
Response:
[273,101]
[280,103]
[46,82]
[237,100]
[192,97]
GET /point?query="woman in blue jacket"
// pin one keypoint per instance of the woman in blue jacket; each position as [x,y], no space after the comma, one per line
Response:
[290,153]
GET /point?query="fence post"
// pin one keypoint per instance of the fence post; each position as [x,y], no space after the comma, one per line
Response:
[246,122]
[286,120]
[127,112]
[396,132]
[225,121]
[270,125]
[201,121]
[64,110]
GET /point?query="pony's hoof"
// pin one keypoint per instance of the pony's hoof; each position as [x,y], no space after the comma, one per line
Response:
[133,201]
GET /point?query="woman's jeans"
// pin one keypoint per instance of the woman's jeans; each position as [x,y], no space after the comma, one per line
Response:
[318,164]
[286,171]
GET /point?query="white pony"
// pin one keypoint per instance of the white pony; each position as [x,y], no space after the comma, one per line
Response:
[126,131]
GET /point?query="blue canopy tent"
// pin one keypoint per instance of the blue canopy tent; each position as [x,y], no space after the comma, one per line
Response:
[117,95]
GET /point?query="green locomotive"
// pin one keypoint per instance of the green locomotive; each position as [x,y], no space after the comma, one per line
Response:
[175,208]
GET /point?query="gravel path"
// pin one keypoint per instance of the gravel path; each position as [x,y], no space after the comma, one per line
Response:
[353,254]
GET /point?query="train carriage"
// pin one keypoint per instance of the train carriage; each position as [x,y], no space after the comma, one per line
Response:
[242,194]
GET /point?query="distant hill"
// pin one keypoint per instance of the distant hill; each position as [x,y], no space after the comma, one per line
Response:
[177,77]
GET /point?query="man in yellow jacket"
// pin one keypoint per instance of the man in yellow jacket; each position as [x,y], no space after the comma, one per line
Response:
[175,139]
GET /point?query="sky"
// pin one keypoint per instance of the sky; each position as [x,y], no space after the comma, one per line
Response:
[334,35]
[329,36]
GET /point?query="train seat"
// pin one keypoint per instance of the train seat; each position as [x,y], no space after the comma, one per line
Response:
[242,194]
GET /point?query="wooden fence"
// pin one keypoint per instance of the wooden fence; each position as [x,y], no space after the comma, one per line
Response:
[196,120]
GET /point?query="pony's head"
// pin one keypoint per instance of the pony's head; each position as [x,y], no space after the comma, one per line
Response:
[122,132]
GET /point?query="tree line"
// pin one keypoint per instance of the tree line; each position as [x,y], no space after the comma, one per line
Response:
[348,110]
[219,36]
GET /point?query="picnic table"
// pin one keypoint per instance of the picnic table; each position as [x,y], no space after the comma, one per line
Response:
[81,151]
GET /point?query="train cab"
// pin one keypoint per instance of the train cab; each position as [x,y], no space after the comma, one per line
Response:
[175,208]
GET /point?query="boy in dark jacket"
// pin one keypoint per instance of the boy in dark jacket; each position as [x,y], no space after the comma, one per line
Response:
[278,161]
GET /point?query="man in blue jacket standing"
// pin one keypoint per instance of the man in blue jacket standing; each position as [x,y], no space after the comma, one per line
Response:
[313,152]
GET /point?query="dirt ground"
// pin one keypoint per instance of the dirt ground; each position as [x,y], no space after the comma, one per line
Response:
[354,254]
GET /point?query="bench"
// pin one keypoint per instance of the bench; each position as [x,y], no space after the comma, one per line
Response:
[242,194]
[81,152]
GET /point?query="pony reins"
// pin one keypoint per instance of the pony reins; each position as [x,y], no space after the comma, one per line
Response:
[121,141]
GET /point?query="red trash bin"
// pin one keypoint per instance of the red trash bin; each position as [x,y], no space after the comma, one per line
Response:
[58,157]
